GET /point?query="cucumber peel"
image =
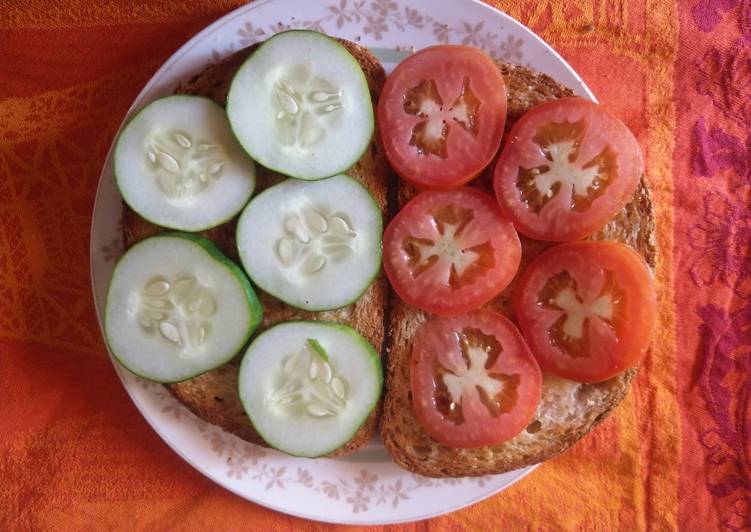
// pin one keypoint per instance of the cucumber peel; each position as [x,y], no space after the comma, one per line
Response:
[318,348]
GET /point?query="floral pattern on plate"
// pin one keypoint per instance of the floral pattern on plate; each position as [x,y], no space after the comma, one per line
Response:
[379,17]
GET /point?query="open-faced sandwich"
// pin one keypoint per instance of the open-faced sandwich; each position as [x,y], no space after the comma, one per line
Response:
[256,199]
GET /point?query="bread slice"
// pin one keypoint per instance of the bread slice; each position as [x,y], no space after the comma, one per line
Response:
[568,410]
[213,396]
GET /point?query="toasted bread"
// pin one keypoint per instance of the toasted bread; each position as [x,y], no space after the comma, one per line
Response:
[568,410]
[213,396]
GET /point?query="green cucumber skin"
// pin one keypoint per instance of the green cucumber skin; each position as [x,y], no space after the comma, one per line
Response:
[318,348]
[254,305]
[117,179]
[373,357]
[378,257]
[371,120]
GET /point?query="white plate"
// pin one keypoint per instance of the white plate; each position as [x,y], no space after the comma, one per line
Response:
[367,487]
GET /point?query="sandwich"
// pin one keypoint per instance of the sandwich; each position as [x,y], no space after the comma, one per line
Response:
[567,409]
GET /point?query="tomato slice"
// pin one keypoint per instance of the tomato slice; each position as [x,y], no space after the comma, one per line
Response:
[587,309]
[441,115]
[474,381]
[450,251]
[568,168]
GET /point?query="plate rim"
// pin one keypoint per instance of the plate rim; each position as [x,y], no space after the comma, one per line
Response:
[139,101]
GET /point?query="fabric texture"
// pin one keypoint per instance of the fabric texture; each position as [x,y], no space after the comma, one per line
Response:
[76,454]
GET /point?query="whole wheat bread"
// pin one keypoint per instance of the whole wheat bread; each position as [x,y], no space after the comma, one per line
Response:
[213,396]
[568,410]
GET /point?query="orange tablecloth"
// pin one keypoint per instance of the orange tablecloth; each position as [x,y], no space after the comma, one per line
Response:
[75,453]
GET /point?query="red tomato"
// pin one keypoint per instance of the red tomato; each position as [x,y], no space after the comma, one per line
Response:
[568,167]
[450,251]
[441,115]
[474,381]
[587,309]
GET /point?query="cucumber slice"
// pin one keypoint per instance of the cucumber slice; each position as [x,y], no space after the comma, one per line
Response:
[302,402]
[178,165]
[315,245]
[300,105]
[176,307]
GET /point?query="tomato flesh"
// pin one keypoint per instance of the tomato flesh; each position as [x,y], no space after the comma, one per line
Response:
[474,381]
[448,252]
[568,168]
[441,115]
[587,309]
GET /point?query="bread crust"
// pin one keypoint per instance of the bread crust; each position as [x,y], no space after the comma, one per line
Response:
[581,406]
[213,396]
